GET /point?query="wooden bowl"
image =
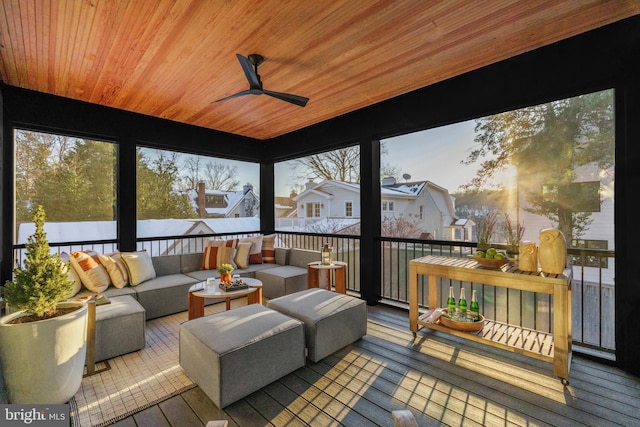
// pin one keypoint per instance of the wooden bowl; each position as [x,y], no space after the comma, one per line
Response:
[462,326]
[493,264]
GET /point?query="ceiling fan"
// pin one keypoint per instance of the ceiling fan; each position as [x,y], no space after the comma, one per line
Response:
[250,68]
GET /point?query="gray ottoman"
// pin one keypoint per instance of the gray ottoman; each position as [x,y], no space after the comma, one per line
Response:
[331,320]
[234,353]
[119,327]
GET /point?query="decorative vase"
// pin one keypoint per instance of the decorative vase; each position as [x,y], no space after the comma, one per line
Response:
[43,361]
[225,277]
[553,251]
[528,257]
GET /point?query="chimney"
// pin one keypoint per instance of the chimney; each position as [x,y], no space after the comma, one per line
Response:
[246,188]
[309,184]
[202,201]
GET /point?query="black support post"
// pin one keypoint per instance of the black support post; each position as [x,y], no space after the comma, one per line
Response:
[370,277]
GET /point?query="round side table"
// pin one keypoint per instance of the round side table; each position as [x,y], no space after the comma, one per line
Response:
[336,275]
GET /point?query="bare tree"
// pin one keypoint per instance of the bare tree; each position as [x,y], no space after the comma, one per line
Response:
[220,176]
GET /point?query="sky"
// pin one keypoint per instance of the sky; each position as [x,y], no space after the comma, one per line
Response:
[431,155]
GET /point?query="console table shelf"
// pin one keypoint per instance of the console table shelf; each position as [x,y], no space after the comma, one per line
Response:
[530,342]
[554,348]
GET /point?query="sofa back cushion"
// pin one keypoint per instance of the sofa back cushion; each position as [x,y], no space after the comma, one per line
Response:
[166,264]
[302,257]
[190,262]
[282,256]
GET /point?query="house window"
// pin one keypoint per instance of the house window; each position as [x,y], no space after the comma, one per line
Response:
[457,233]
[313,210]
[421,212]
[387,206]
[590,260]
[348,209]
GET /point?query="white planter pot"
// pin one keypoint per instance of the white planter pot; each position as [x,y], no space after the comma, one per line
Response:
[43,361]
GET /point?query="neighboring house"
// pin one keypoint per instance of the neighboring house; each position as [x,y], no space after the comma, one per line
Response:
[424,204]
[225,204]
[285,207]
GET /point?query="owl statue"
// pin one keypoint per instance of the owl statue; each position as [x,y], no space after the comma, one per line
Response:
[552,251]
[528,256]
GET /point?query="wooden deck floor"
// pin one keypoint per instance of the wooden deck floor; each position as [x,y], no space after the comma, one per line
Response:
[442,379]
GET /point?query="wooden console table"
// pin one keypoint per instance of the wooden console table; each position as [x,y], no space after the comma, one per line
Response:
[554,348]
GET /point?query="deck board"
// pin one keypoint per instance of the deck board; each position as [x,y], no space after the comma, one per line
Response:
[441,378]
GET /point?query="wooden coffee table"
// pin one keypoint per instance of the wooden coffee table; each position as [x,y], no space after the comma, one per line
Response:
[199,291]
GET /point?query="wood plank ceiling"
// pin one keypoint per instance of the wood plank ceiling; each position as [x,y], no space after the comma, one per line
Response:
[171,59]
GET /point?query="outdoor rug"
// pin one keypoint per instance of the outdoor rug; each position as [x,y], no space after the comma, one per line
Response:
[138,380]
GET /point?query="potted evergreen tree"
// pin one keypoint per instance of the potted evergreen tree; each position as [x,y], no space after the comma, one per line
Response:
[43,344]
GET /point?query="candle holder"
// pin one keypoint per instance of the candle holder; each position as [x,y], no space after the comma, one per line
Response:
[326,254]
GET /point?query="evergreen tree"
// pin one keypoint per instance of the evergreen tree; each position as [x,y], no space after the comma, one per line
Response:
[43,282]
[547,143]
[157,179]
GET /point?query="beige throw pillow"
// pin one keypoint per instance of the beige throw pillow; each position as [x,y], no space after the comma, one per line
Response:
[242,254]
[139,266]
[255,255]
[73,276]
[116,269]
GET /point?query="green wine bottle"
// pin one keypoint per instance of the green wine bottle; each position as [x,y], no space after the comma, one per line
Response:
[475,307]
[462,302]
[451,301]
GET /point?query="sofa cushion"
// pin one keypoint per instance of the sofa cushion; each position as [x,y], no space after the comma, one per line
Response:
[302,257]
[167,264]
[119,327]
[190,262]
[165,295]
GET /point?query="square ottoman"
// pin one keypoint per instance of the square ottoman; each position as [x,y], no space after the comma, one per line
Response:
[331,320]
[234,353]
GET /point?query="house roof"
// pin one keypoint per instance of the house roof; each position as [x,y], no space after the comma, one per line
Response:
[83,231]
[172,59]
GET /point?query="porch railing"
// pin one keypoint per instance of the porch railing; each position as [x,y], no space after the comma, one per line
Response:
[593,293]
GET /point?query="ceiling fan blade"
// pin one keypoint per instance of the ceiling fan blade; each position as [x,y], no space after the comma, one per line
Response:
[294,99]
[243,93]
[249,71]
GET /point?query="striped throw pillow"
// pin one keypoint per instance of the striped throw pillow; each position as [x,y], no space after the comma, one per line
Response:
[269,249]
[215,256]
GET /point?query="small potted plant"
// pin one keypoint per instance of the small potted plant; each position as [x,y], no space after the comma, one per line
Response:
[513,234]
[225,272]
[486,224]
[43,343]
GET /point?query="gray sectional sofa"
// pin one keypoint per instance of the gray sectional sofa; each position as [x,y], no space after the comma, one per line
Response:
[120,325]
